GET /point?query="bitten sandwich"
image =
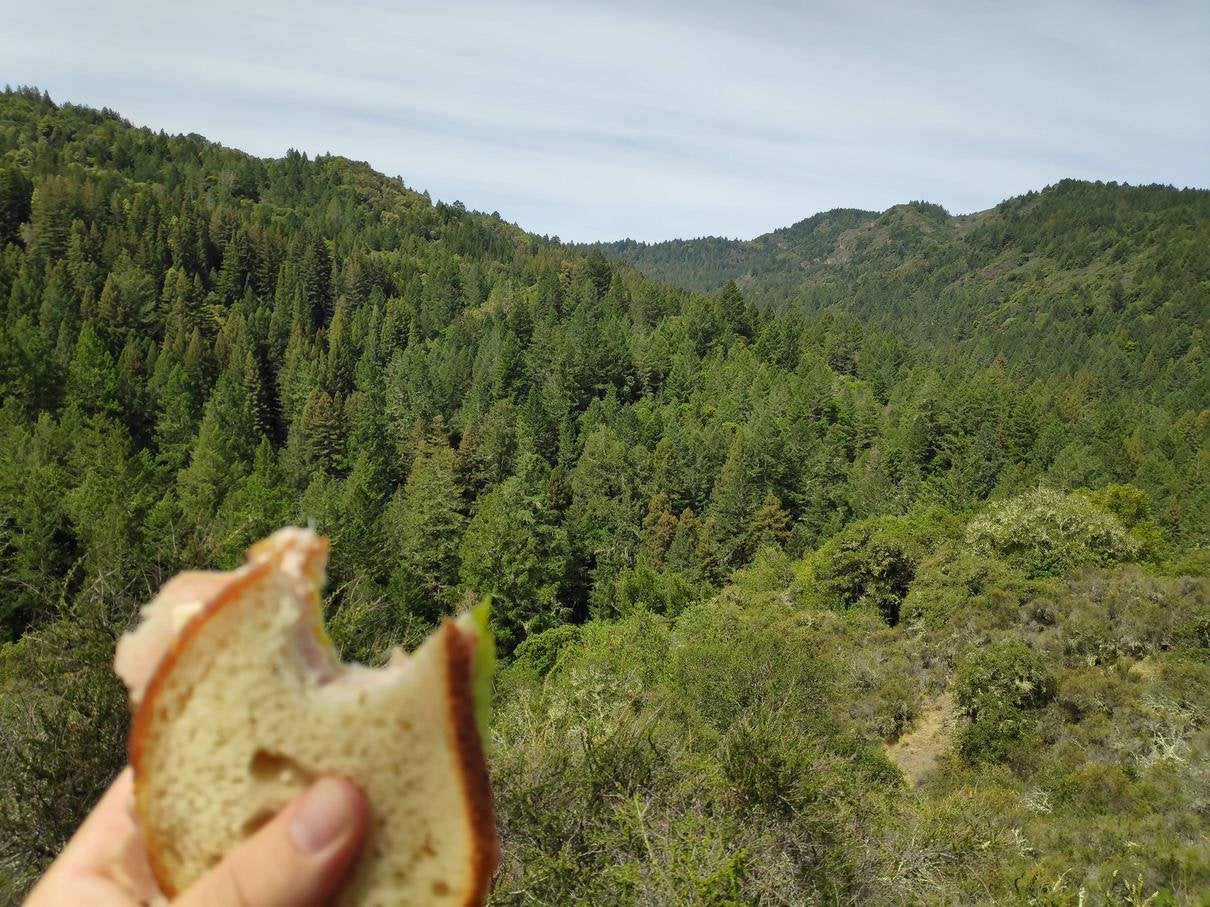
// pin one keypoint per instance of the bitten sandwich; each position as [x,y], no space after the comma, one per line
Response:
[240,702]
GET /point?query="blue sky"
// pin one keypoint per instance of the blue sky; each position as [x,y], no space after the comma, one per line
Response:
[660,119]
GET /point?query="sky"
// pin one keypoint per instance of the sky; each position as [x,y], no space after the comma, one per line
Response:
[657,120]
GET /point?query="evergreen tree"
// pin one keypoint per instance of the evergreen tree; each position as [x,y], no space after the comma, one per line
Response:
[769,526]
[730,500]
[660,526]
[425,525]
[92,377]
[322,433]
[16,192]
[511,551]
[219,461]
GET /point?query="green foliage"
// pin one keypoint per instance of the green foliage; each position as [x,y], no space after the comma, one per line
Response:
[664,591]
[15,193]
[684,763]
[1131,614]
[872,564]
[995,733]
[954,582]
[63,718]
[426,524]
[1066,288]
[1005,674]
[1047,533]
[539,651]
[512,552]
[1130,505]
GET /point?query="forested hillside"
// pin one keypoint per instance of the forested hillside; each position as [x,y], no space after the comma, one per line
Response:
[1102,288]
[742,543]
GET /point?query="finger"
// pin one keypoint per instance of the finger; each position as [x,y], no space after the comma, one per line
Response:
[93,845]
[297,860]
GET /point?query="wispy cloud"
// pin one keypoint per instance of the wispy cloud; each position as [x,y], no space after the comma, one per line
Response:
[605,120]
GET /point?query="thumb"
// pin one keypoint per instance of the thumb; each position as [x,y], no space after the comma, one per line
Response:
[297,860]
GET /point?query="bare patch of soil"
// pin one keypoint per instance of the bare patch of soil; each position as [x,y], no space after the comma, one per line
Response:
[916,751]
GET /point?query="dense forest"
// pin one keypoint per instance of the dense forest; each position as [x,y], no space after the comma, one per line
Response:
[1097,290]
[867,566]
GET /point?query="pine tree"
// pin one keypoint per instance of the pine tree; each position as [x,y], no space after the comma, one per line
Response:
[221,457]
[92,377]
[254,390]
[424,526]
[16,192]
[769,527]
[177,418]
[514,553]
[322,434]
[730,504]
[660,526]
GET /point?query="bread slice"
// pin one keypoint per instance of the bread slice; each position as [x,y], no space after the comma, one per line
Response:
[241,702]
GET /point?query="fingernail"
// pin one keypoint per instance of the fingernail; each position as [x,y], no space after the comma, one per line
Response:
[323,816]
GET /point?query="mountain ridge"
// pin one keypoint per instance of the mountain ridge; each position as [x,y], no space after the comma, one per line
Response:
[919,214]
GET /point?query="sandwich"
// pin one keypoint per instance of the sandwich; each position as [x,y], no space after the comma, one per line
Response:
[240,702]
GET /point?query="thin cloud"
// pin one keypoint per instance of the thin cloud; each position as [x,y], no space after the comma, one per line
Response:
[597,121]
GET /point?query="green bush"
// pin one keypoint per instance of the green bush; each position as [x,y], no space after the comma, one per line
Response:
[540,651]
[872,563]
[1006,673]
[1095,787]
[662,591]
[1133,510]
[1109,614]
[953,580]
[63,719]
[1047,533]
[996,731]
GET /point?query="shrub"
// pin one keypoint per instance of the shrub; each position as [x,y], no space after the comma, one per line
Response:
[872,563]
[771,571]
[996,731]
[540,651]
[1004,673]
[63,718]
[954,579]
[1047,533]
[1107,614]
[662,591]
[1133,510]
[1095,787]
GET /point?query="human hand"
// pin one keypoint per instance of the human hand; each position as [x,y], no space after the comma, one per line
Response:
[297,860]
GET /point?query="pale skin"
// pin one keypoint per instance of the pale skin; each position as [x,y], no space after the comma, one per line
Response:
[296,860]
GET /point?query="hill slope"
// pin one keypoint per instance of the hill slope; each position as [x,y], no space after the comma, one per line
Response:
[1052,279]
[735,550]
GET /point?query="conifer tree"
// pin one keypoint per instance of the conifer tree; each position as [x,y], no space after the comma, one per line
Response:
[322,434]
[769,527]
[425,525]
[514,553]
[660,525]
[176,422]
[220,458]
[92,377]
[16,192]
[730,499]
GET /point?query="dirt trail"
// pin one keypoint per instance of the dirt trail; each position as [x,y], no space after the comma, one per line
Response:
[916,751]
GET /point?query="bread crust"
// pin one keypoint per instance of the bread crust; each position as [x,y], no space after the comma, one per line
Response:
[485,854]
[459,649]
[140,725]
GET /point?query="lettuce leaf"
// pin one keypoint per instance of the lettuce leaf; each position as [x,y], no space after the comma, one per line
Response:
[483,667]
